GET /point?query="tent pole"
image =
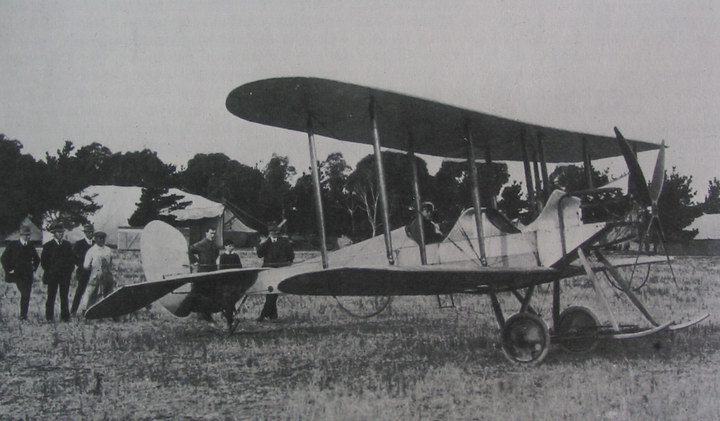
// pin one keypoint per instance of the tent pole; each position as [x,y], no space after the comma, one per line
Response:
[381,182]
[316,189]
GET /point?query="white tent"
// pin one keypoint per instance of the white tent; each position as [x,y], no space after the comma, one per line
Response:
[118,203]
[708,226]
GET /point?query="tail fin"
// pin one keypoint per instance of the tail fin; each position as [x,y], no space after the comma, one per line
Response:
[164,252]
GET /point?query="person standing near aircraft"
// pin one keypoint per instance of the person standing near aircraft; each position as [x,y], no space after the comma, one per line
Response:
[204,253]
[229,259]
[58,261]
[431,230]
[276,251]
[20,260]
[98,263]
[82,275]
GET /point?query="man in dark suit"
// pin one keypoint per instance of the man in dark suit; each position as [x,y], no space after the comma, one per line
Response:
[205,252]
[203,256]
[58,261]
[276,251]
[20,260]
[80,248]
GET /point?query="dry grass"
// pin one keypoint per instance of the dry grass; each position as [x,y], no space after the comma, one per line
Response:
[414,361]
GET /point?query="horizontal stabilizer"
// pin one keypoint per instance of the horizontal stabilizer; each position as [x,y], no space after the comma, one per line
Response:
[130,298]
[414,280]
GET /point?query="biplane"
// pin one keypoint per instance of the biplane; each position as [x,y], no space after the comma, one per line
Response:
[484,253]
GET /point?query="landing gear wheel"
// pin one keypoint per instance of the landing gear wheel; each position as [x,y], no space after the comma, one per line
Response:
[577,330]
[525,339]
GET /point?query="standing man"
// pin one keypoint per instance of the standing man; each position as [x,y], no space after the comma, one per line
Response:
[204,253]
[82,275]
[20,260]
[58,261]
[98,263]
[276,252]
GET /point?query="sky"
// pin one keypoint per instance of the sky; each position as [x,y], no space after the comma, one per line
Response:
[155,74]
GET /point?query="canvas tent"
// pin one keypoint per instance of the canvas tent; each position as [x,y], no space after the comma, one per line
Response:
[705,243]
[708,226]
[118,203]
[36,234]
[236,230]
[707,240]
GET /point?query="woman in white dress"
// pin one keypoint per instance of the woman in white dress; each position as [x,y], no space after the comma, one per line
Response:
[98,261]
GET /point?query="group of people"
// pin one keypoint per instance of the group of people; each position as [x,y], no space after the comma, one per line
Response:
[93,261]
[89,258]
[275,250]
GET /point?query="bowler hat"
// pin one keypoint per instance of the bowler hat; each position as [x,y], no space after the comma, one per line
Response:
[88,228]
[24,229]
[273,227]
[100,234]
[56,227]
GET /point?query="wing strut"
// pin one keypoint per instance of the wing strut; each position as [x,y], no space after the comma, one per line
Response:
[316,191]
[381,183]
[539,199]
[543,167]
[595,284]
[528,174]
[476,194]
[418,200]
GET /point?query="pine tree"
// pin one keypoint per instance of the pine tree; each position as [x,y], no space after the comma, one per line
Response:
[156,204]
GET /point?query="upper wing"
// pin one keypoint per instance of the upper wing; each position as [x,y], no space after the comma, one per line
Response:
[341,111]
[414,280]
[130,298]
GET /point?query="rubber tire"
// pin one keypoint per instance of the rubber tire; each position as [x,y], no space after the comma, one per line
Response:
[525,339]
[574,320]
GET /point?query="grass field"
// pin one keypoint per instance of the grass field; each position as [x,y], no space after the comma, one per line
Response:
[414,361]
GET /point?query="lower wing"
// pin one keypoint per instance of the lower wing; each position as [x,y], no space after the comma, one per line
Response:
[415,280]
[130,298]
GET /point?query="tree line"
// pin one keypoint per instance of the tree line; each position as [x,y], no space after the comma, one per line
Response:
[44,188]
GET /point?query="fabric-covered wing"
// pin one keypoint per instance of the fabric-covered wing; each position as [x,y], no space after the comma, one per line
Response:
[130,298]
[415,280]
[341,111]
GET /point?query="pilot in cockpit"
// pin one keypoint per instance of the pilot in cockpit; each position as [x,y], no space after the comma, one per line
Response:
[430,228]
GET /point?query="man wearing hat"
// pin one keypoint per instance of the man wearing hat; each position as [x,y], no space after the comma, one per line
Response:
[98,263]
[58,261]
[20,260]
[82,275]
[430,229]
[276,251]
